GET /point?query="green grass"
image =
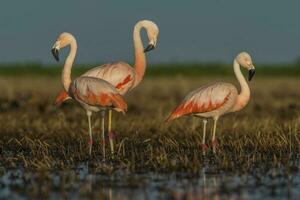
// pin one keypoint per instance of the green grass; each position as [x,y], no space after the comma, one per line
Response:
[193,70]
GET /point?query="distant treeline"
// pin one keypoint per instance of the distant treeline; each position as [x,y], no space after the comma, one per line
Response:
[155,70]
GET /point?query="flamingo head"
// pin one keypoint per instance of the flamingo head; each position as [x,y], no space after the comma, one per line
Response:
[245,60]
[62,41]
[152,32]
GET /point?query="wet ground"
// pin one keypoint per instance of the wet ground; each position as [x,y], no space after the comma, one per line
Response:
[41,144]
[84,183]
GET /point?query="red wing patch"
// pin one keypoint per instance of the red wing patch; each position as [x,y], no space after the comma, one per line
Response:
[61,97]
[118,102]
[124,82]
[190,107]
[103,99]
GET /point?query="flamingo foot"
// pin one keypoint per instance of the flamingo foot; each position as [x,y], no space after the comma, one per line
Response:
[215,144]
[204,147]
[90,142]
[111,135]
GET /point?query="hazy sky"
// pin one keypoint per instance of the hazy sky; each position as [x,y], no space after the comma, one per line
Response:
[190,31]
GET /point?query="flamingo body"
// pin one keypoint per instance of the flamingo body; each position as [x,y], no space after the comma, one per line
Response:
[96,95]
[208,101]
[217,99]
[120,74]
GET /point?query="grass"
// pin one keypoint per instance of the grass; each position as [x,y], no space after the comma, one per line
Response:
[163,70]
[36,135]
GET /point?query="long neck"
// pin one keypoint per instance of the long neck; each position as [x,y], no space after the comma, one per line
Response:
[66,75]
[140,58]
[244,95]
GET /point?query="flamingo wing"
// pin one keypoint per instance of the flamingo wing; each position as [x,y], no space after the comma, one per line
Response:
[97,92]
[61,97]
[119,74]
[203,100]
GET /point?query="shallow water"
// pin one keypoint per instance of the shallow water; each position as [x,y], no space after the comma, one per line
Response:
[84,183]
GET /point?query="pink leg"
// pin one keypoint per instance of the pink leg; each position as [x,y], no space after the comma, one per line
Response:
[111,135]
[215,143]
[204,147]
[102,142]
[90,133]
[103,134]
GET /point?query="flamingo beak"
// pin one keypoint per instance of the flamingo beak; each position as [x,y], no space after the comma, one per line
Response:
[149,48]
[251,73]
[55,53]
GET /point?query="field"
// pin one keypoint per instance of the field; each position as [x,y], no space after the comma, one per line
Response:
[39,142]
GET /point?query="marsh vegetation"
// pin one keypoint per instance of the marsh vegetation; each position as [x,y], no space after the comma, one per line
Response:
[38,138]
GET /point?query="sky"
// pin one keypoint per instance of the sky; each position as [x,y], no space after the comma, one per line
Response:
[190,31]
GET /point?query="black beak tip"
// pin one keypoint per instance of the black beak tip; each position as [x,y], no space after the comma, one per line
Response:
[55,54]
[251,74]
[149,48]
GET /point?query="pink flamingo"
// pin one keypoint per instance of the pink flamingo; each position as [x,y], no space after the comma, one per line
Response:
[93,94]
[217,99]
[120,74]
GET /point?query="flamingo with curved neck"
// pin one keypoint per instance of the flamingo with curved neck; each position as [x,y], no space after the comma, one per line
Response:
[244,95]
[93,94]
[120,74]
[216,100]
[66,74]
[139,52]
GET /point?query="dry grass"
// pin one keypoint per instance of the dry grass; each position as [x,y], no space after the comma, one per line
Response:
[36,135]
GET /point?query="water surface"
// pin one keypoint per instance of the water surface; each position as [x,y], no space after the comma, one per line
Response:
[85,183]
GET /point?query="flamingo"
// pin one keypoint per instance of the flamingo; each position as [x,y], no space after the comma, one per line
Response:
[120,74]
[216,100]
[93,94]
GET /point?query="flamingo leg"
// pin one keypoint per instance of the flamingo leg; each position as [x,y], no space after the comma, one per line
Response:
[110,133]
[204,146]
[103,133]
[214,142]
[89,114]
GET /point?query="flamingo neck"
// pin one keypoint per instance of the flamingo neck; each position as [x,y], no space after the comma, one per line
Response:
[140,58]
[66,75]
[244,96]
